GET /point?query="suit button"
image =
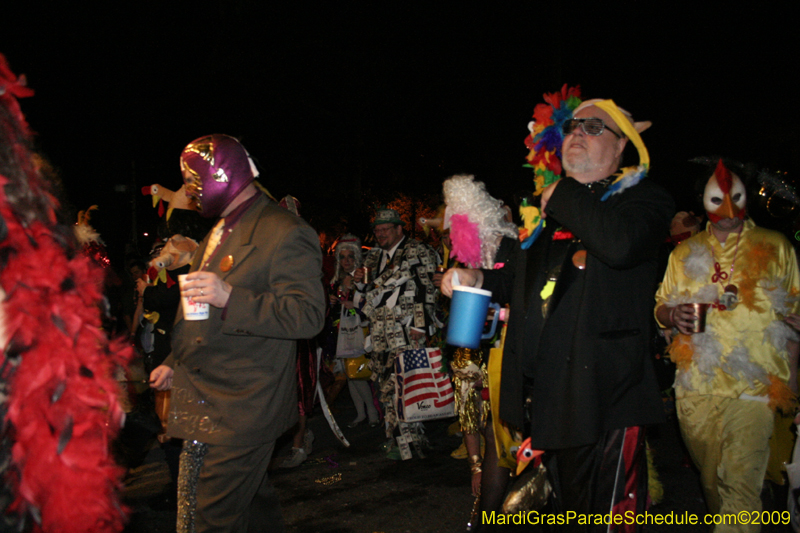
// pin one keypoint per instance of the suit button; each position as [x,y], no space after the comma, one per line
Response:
[198,340]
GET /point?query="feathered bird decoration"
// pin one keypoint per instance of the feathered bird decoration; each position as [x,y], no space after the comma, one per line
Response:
[427,224]
[544,158]
[84,231]
[177,252]
[532,489]
[175,199]
[92,245]
[532,224]
[526,454]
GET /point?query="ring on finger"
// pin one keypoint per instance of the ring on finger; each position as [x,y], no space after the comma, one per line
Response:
[201,292]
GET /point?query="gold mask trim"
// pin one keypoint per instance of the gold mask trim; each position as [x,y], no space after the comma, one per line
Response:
[194,185]
[204,148]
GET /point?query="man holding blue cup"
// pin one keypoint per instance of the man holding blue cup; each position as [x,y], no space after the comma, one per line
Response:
[576,368]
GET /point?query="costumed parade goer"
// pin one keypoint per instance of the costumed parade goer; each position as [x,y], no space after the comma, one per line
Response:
[481,238]
[179,229]
[348,341]
[576,367]
[306,372]
[232,375]
[160,303]
[159,297]
[734,372]
[58,391]
[398,300]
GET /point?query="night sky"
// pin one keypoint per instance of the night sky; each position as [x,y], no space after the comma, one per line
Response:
[341,101]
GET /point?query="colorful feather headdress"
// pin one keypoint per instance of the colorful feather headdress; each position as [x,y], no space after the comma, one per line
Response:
[544,143]
[546,135]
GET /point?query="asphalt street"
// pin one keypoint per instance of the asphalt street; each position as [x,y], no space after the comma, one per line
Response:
[357,489]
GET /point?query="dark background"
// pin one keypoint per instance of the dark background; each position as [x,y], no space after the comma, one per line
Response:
[346,103]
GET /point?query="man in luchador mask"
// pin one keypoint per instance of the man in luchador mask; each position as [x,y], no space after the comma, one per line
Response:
[232,374]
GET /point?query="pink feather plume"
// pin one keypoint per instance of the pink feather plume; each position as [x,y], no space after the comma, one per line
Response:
[466,240]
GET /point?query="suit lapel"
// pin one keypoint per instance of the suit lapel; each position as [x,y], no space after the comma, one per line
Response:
[396,259]
[238,245]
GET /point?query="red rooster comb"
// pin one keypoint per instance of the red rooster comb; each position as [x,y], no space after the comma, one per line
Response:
[724,178]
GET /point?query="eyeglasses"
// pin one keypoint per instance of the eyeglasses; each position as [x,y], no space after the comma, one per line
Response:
[590,126]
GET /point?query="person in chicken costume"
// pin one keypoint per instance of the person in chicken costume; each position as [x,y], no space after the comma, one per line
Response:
[741,367]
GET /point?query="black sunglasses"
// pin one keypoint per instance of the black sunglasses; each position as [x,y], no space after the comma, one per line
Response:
[590,126]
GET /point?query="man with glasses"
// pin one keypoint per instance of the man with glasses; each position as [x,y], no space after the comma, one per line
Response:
[399,302]
[576,366]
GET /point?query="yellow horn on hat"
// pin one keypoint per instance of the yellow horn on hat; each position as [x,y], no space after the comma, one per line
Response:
[627,128]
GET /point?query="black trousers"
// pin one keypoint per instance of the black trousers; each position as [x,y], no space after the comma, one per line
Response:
[233,492]
[608,477]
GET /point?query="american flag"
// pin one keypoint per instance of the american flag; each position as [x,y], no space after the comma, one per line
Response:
[420,377]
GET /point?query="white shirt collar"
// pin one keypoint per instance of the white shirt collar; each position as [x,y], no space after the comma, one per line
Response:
[394,248]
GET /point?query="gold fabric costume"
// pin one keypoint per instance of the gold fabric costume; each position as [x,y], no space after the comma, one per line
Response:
[468,369]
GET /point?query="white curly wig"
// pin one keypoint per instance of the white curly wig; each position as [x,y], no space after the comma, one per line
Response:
[347,241]
[463,195]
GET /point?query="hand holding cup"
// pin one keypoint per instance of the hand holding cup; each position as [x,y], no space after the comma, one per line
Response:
[466,277]
[205,287]
[358,275]
[689,318]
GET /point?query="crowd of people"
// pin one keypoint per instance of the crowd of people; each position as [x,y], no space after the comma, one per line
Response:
[563,390]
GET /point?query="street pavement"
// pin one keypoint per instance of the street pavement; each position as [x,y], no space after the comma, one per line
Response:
[357,489]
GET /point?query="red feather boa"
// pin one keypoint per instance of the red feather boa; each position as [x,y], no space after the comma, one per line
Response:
[63,408]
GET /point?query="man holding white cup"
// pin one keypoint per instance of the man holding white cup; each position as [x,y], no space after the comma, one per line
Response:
[232,374]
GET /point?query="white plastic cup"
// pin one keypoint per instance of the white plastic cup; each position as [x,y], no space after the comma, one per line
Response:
[191,310]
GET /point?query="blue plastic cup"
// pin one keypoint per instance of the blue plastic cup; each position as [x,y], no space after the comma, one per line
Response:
[467,316]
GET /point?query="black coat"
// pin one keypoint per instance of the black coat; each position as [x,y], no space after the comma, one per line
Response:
[588,362]
[165,301]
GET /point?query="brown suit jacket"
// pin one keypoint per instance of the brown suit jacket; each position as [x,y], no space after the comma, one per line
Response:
[234,377]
